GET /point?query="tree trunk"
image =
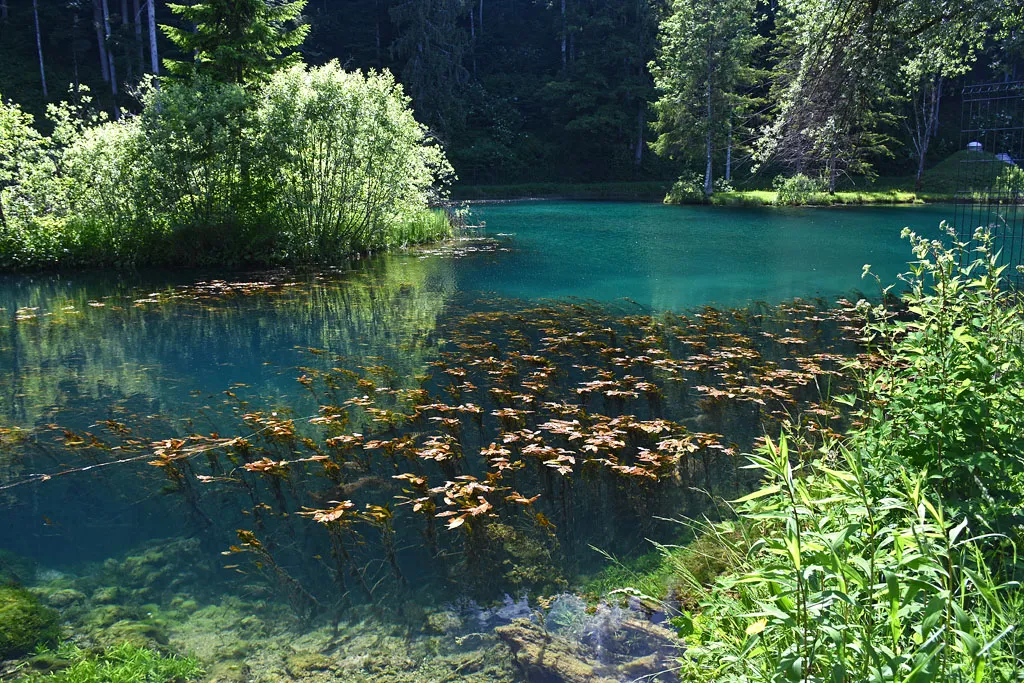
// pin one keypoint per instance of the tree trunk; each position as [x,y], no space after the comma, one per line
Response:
[728,155]
[152,37]
[641,124]
[137,25]
[74,55]
[376,33]
[4,11]
[97,22]
[565,33]
[481,17]
[472,39]
[124,32]
[110,57]
[39,48]
[708,186]
[938,103]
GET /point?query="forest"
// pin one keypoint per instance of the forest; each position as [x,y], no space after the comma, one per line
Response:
[593,90]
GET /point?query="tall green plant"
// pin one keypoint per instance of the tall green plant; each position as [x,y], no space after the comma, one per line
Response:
[854,580]
[948,392]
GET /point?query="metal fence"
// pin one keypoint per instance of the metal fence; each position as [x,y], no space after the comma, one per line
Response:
[990,176]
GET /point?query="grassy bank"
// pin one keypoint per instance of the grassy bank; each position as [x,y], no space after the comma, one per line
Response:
[646,191]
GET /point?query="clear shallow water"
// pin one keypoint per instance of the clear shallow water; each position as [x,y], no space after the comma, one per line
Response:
[96,374]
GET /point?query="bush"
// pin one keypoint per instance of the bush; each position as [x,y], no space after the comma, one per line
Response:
[797,190]
[689,189]
[947,395]
[310,167]
[351,159]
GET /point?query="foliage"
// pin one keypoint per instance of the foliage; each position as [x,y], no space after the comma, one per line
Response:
[235,41]
[352,160]
[860,572]
[853,580]
[702,68]
[24,622]
[798,189]
[124,663]
[947,393]
[310,167]
[688,189]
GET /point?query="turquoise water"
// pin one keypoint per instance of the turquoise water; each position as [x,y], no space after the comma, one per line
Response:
[678,257]
[435,442]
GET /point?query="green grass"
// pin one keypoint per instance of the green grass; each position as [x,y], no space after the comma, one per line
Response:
[844,198]
[123,663]
[677,572]
[645,191]
[429,225]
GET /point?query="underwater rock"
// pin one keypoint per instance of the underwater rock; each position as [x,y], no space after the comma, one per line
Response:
[24,622]
[16,569]
[106,615]
[301,664]
[443,622]
[65,598]
[47,662]
[105,595]
[142,634]
[547,658]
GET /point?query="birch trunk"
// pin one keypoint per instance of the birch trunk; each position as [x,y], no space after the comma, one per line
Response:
[137,25]
[4,10]
[641,124]
[110,54]
[481,17]
[728,155]
[152,37]
[39,48]
[564,34]
[708,186]
[97,22]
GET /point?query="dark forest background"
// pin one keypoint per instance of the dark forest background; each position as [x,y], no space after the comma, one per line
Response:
[518,90]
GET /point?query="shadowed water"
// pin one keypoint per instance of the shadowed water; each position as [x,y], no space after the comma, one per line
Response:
[379,473]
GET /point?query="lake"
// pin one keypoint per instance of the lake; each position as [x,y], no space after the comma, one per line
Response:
[408,469]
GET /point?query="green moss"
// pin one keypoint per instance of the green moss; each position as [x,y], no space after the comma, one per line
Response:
[124,663]
[24,622]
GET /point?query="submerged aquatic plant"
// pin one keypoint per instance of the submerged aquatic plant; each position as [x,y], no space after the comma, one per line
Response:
[535,432]
[124,663]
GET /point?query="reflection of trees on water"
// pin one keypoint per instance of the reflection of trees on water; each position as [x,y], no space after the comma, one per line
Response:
[60,342]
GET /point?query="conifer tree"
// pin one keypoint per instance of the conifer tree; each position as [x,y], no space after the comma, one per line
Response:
[235,41]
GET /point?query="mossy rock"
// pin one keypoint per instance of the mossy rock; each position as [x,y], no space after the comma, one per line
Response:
[65,598]
[141,634]
[15,569]
[24,622]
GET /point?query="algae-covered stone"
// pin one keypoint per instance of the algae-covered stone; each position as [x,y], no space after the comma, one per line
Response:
[24,622]
[142,634]
[543,656]
[300,664]
[65,598]
[105,595]
[443,622]
[16,569]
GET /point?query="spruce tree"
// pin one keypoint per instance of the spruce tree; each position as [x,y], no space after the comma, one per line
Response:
[235,41]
